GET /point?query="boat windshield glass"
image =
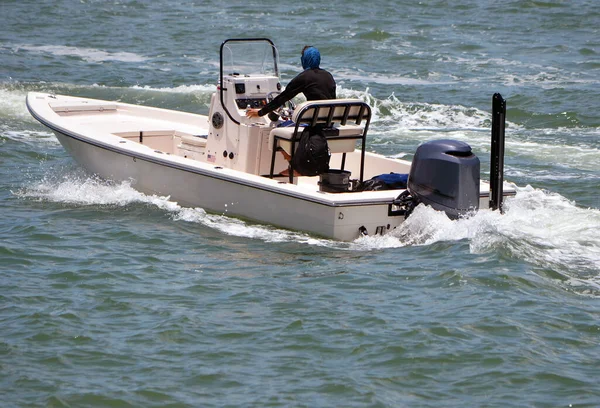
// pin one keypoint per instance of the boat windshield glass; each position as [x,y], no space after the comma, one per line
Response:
[249,57]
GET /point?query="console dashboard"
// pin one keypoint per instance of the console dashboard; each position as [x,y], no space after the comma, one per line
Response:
[255,103]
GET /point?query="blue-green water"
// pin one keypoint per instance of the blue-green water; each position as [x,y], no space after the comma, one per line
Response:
[111,298]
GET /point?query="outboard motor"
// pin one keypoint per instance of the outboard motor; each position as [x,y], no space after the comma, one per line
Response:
[445,175]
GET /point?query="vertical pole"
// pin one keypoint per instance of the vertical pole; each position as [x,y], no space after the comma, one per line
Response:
[497,154]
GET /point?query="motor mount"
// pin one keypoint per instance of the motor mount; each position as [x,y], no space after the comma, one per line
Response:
[445,175]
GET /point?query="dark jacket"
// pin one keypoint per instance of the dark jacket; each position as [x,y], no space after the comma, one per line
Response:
[314,83]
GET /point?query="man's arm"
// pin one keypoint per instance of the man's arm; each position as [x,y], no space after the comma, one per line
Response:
[295,86]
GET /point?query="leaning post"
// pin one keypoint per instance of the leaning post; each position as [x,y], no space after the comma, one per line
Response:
[497,154]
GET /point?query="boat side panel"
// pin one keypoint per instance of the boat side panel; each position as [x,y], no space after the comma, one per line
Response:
[213,194]
[351,222]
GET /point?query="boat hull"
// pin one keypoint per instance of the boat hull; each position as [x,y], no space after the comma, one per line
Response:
[214,192]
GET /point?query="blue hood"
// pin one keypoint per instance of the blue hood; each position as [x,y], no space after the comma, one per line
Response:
[311,58]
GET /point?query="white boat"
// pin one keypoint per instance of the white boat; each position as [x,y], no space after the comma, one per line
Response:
[228,163]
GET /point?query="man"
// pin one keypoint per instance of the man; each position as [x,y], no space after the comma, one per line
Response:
[315,83]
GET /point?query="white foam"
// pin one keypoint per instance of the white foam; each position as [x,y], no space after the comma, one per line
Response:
[396,115]
[78,189]
[556,152]
[31,137]
[425,116]
[239,228]
[87,54]
[82,190]
[520,73]
[419,121]
[539,227]
[391,79]
[12,105]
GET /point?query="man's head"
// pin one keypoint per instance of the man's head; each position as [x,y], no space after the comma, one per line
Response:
[311,58]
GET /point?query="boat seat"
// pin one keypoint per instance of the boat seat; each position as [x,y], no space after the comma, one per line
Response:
[193,140]
[337,144]
[349,117]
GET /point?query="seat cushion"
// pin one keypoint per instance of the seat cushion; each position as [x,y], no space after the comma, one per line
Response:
[335,146]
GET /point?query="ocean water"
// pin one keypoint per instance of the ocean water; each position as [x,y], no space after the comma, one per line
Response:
[112,298]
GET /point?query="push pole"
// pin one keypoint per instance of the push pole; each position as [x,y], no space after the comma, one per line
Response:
[497,154]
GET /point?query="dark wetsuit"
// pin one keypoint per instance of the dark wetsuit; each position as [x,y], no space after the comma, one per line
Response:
[314,83]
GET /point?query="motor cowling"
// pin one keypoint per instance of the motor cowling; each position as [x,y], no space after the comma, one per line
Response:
[445,175]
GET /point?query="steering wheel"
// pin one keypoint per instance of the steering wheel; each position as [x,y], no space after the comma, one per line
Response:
[286,110]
